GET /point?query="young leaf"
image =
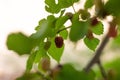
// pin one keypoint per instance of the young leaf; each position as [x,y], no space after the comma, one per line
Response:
[30,61]
[60,22]
[66,3]
[20,43]
[41,30]
[98,29]
[61,13]
[78,29]
[52,7]
[40,23]
[88,4]
[68,72]
[91,43]
[64,33]
[55,52]
[30,76]
[45,28]
[39,54]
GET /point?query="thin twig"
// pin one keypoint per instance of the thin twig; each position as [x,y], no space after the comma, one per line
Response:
[102,70]
[73,8]
[63,29]
[97,54]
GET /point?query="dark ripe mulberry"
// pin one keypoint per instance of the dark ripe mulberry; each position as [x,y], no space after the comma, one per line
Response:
[94,21]
[59,41]
[112,32]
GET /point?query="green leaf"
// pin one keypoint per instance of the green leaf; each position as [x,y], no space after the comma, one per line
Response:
[30,76]
[41,52]
[113,7]
[78,29]
[20,43]
[68,72]
[52,7]
[113,69]
[117,40]
[41,30]
[30,61]
[64,33]
[51,23]
[91,43]
[45,28]
[66,3]
[55,52]
[39,55]
[116,43]
[40,23]
[98,29]
[60,22]
[88,4]
[61,13]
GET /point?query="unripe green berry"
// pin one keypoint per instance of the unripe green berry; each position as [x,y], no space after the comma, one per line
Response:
[47,45]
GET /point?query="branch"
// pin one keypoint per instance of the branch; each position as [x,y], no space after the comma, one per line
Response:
[102,70]
[73,8]
[97,53]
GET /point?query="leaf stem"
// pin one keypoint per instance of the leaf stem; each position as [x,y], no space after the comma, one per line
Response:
[63,29]
[97,53]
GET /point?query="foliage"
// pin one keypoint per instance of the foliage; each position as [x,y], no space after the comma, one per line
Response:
[30,76]
[20,43]
[68,72]
[78,27]
[113,70]
[48,40]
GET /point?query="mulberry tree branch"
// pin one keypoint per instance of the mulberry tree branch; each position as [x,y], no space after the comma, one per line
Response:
[97,53]
[102,70]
